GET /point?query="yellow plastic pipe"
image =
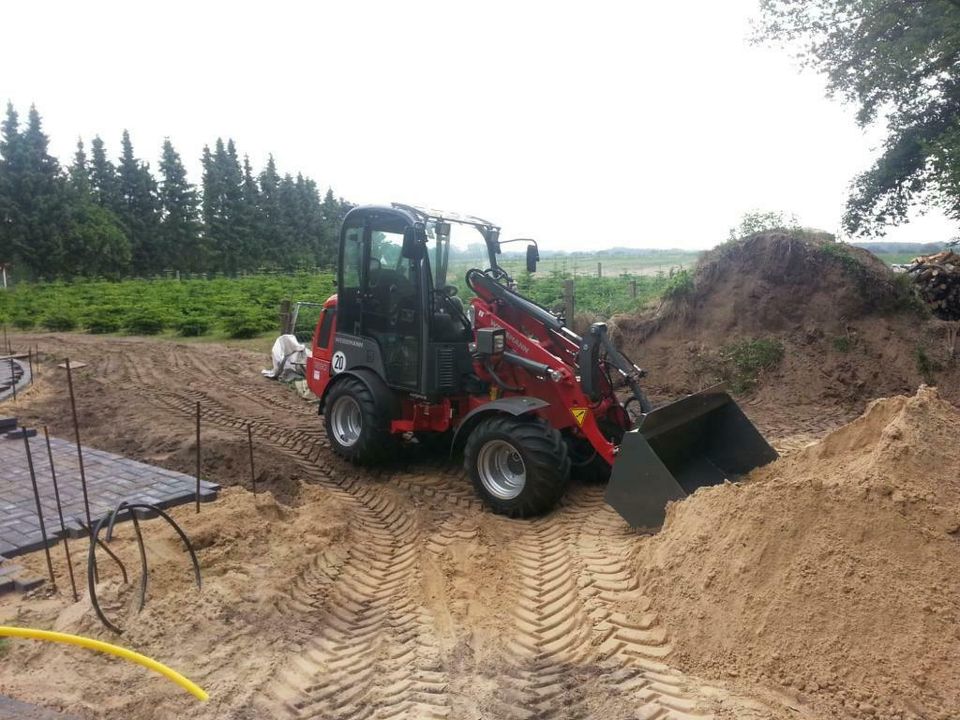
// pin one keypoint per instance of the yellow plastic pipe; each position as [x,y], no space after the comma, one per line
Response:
[91,644]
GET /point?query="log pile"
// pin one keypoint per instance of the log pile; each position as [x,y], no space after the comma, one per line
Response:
[938,279]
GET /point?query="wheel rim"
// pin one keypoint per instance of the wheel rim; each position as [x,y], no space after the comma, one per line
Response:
[501,469]
[346,421]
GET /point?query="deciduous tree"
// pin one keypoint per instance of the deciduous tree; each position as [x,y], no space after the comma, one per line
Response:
[897,62]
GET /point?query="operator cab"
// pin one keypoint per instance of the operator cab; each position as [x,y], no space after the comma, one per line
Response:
[399,310]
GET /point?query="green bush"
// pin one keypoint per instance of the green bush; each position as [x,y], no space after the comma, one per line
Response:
[245,324]
[680,285]
[59,321]
[145,321]
[24,322]
[746,359]
[103,319]
[926,365]
[193,326]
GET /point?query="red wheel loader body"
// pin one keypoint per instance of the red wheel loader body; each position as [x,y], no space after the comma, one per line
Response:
[421,364]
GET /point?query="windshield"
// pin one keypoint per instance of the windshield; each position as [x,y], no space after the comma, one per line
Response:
[455,248]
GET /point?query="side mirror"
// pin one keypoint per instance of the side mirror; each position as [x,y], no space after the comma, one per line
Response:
[533,257]
[412,247]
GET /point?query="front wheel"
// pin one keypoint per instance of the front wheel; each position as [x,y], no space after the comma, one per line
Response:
[519,466]
[356,429]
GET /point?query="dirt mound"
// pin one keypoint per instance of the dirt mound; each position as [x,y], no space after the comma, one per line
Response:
[834,572]
[836,324]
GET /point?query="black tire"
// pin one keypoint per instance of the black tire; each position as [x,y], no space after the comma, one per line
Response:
[534,454]
[356,428]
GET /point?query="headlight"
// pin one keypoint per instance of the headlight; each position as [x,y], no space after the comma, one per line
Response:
[472,316]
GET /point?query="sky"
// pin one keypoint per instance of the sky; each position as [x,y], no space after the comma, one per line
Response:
[584,125]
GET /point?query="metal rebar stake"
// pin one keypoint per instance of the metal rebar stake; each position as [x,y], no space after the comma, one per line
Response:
[253,474]
[63,525]
[198,456]
[13,378]
[36,497]
[83,474]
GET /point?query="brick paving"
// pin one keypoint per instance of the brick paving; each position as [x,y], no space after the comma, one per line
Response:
[11,709]
[110,479]
[21,373]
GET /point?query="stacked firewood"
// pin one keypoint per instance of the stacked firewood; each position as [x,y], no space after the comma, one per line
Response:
[938,279]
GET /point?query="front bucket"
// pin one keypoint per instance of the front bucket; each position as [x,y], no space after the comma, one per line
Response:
[702,439]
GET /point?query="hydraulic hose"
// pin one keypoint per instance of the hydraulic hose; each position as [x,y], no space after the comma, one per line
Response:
[496,378]
[91,644]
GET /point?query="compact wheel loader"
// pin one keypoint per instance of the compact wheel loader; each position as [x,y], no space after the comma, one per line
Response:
[397,356]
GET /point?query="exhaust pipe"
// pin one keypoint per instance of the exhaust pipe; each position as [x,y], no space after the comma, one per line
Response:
[702,439]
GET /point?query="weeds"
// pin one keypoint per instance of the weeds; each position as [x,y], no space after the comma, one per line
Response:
[679,286]
[843,343]
[926,365]
[745,359]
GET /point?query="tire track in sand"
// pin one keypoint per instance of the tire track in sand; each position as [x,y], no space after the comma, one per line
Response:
[370,652]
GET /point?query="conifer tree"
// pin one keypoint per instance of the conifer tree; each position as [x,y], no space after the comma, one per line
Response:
[96,244]
[103,177]
[250,219]
[139,208]
[38,191]
[271,242]
[79,172]
[10,170]
[179,233]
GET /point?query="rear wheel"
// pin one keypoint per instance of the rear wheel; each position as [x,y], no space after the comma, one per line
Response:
[519,466]
[355,427]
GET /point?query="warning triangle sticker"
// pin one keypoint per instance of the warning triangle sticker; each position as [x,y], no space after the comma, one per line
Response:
[579,413]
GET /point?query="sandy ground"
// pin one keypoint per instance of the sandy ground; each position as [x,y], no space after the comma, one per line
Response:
[341,593]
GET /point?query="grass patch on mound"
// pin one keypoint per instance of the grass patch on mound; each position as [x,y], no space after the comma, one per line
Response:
[744,361]
[843,343]
[679,286]
[926,365]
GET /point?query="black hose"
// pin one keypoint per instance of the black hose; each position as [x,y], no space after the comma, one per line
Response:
[496,378]
[95,540]
[140,548]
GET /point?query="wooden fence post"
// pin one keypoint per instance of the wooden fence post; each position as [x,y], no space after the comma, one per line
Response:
[568,301]
[599,270]
[284,316]
[633,288]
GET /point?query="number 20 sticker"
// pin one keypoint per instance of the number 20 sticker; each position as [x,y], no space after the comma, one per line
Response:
[339,362]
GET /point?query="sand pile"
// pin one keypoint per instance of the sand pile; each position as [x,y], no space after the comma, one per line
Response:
[833,573]
[849,329]
[229,638]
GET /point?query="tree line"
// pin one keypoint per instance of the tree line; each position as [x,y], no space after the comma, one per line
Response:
[100,218]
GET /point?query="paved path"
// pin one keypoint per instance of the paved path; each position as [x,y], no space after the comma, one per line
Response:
[21,373]
[11,709]
[110,479]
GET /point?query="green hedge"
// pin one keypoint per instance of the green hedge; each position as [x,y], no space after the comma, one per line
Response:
[238,307]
